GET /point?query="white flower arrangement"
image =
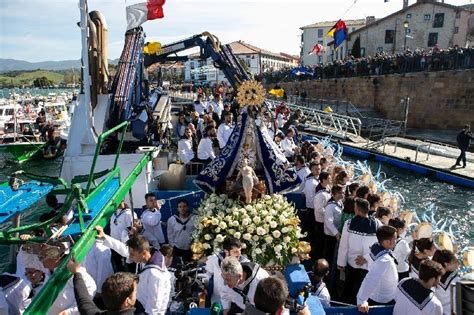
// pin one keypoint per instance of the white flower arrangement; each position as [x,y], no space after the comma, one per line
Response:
[268,228]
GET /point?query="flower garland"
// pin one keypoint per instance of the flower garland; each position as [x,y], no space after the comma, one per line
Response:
[268,228]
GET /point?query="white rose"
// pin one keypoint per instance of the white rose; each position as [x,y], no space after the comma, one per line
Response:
[284,230]
[206,246]
[277,206]
[248,208]
[287,239]
[255,238]
[235,223]
[246,221]
[261,231]
[273,224]
[219,238]
[278,248]
[268,239]
[258,251]
[276,234]
[231,231]
[207,237]
[282,218]
[247,236]
[244,246]
[258,206]
[215,221]
[223,225]
[256,220]
[264,213]
[251,229]
[293,250]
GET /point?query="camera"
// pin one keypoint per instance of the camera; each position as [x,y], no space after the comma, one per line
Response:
[189,285]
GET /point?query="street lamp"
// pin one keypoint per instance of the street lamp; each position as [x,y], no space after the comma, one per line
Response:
[405,26]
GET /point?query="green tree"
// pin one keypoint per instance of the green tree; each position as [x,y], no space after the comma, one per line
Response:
[42,82]
[356,48]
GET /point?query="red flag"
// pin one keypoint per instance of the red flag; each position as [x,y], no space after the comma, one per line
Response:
[317,49]
[139,13]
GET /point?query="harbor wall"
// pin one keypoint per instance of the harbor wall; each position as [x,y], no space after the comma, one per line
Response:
[438,100]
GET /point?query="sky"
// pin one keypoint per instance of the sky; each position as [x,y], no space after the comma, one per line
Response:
[44,30]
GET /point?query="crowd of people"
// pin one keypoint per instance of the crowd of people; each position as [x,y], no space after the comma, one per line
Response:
[435,59]
[130,269]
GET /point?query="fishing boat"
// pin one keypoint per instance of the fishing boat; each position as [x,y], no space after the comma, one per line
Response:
[20,141]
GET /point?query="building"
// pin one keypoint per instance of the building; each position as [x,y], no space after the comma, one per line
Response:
[256,60]
[316,33]
[421,25]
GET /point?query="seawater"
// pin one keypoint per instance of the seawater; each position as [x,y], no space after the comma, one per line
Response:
[454,203]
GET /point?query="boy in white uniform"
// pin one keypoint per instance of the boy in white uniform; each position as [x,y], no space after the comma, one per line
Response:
[414,295]
[380,284]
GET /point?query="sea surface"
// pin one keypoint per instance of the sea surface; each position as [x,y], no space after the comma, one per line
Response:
[454,203]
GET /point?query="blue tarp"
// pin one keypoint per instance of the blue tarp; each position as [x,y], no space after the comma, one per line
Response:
[13,202]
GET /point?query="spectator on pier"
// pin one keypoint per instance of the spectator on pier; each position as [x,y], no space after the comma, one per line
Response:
[380,284]
[180,126]
[151,220]
[198,123]
[358,234]
[415,295]
[199,105]
[216,106]
[225,129]
[240,284]
[464,141]
[179,229]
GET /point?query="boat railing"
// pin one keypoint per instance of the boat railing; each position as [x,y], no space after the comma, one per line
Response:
[395,142]
[183,95]
[120,127]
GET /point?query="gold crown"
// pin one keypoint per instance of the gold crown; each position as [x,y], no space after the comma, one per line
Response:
[250,93]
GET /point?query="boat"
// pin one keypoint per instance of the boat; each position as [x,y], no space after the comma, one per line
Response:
[20,141]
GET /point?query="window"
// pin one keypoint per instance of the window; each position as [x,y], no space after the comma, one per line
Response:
[438,20]
[380,49]
[362,51]
[456,29]
[320,33]
[458,14]
[408,30]
[389,36]
[427,17]
[408,15]
[432,39]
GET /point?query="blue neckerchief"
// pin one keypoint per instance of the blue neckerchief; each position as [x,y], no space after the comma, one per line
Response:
[446,279]
[363,226]
[415,292]
[156,261]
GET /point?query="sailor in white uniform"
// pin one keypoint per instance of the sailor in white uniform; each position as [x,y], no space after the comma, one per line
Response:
[154,287]
[3,303]
[17,293]
[402,249]
[321,198]
[414,295]
[185,147]
[288,145]
[179,229]
[98,264]
[380,284]
[302,170]
[225,130]
[241,280]
[358,234]
[332,221]
[443,291]
[151,219]
[120,220]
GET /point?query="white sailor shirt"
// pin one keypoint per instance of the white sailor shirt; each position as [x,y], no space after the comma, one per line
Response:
[66,299]
[401,252]
[414,299]
[17,293]
[179,231]
[332,217]
[358,234]
[3,303]
[320,201]
[288,147]
[120,221]
[415,266]
[302,174]
[322,293]
[200,108]
[98,264]
[380,283]
[230,296]
[309,190]
[151,220]
[205,150]
[223,133]
[185,150]
[443,290]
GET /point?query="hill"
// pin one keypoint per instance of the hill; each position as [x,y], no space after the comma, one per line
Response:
[7,65]
[27,78]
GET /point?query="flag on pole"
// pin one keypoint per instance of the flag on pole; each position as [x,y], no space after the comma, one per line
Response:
[338,32]
[317,49]
[139,13]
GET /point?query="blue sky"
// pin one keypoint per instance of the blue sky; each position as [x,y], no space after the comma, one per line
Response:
[40,30]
